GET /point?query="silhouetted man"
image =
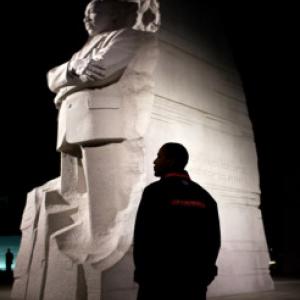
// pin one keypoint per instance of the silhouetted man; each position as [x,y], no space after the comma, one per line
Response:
[9,257]
[177,234]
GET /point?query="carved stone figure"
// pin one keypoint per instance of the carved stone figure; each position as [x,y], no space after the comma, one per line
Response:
[104,94]
[99,107]
[115,110]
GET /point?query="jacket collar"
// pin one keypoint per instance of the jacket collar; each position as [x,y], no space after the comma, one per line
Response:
[180,174]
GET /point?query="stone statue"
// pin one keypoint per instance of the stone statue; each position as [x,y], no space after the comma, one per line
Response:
[115,110]
[80,224]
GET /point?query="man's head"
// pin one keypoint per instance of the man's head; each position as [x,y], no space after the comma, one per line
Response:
[171,157]
[108,15]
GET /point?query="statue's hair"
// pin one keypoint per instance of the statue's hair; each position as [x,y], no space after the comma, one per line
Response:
[148,14]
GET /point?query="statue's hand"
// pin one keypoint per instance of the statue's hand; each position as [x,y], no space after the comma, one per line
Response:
[86,69]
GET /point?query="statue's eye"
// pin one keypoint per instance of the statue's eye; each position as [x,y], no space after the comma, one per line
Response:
[92,16]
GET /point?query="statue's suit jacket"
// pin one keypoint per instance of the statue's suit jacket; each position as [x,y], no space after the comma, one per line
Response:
[117,106]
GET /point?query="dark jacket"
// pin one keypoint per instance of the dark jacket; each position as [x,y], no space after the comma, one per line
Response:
[177,234]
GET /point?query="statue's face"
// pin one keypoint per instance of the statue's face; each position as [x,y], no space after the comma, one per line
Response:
[99,17]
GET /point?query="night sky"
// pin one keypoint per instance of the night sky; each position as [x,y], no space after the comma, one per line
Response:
[45,34]
[265,53]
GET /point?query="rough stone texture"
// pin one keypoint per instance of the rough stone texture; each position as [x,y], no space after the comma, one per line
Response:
[77,228]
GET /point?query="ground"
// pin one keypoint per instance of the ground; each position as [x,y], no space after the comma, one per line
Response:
[285,289]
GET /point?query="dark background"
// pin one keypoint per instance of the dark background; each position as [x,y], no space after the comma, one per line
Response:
[41,35]
[263,39]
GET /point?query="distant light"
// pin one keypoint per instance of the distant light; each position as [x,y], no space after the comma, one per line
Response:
[272,262]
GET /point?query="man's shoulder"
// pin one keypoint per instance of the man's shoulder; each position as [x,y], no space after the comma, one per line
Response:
[153,185]
[197,186]
[203,192]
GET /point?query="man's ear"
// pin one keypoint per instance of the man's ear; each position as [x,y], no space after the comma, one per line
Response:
[170,162]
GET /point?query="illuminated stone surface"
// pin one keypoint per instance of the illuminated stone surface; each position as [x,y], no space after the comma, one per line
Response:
[200,102]
[81,223]
[77,229]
